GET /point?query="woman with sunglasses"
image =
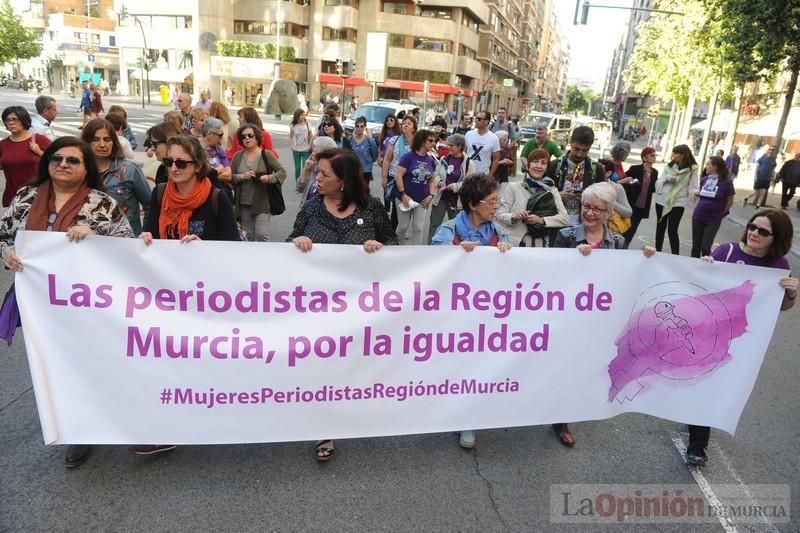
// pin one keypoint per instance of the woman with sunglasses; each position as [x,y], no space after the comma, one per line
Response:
[342,212]
[213,133]
[331,128]
[765,242]
[66,195]
[253,169]
[364,147]
[597,201]
[397,147]
[249,115]
[415,186]
[20,151]
[122,178]
[390,128]
[155,139]
[188,207]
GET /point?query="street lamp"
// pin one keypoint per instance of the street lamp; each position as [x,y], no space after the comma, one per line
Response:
[145,73]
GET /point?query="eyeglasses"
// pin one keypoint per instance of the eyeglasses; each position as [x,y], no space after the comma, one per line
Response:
[593,209]
[217,133]
[361,125]
[764,232]
[493,202]
[180,163]
[248,135]
[481,118]
[11,120]
[71,160]
[329,124]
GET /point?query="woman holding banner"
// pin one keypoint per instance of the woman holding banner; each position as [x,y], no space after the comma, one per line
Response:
[765,242]
[342,212]
[592,233]
[474,226]
[66,195]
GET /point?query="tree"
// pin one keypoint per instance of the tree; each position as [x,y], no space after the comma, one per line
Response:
[759,38]
[591,98]
[575,101]
[16,41]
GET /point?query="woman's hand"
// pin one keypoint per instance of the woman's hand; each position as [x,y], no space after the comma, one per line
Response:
[534,219]
[503,247]
[426,201]
[789,284]
[190,237]
[649,251]
[371,246]
[147,237]
[585,249]
[78,233]
[520,215]
[708,259]
[468,246]
[266,178]
[250,174]
[34,147]
[406,199]
[12,260]
[303,243]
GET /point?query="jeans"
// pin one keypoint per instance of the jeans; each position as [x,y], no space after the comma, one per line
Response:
[703,237]
[669,224]
[300,159]
[257,227]
[413,217]
[438,212]
[787,193]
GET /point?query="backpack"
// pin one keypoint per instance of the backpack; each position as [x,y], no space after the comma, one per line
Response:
[540,203]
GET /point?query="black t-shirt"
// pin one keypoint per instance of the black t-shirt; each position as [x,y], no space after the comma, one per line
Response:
[204,222]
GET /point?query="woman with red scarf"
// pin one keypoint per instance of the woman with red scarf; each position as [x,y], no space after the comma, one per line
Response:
[65,196]
[188,207]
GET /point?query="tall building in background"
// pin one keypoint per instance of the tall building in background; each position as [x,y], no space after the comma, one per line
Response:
[479,53]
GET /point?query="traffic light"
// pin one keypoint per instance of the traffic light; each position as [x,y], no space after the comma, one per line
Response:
[582,9]
[339,67]
[351,68]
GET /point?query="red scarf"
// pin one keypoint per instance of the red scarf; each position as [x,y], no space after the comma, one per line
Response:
[176,210]
[44,203]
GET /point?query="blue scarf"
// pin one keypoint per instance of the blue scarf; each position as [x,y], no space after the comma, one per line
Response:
[465,231]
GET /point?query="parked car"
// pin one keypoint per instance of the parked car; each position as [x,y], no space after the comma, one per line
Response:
[558,127]
[375,112]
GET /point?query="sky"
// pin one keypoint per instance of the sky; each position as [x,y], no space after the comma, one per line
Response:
[592,46]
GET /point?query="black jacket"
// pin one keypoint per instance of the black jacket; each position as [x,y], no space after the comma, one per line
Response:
[790,172]
[632,191]
[593,172]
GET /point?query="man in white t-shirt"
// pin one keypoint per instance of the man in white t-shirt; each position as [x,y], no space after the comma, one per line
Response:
[483,147]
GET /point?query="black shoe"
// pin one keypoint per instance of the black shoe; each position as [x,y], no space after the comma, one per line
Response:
[76,455]
[696,457]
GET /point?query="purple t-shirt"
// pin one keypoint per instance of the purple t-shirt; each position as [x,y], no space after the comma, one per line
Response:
[714,193]
[732,252]
[419,171]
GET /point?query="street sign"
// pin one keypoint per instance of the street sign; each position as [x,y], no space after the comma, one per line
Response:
[90,58]
[508,82]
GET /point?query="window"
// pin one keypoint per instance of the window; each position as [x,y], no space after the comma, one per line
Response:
[338,34]
[435,45]
[255,27]
[466,52]
[469,22]
[396,40]
[407,74]
[397,8]
[436,12]
[348,3]
[112,40]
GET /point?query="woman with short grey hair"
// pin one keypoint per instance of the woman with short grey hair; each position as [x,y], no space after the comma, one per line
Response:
[450,173]
[306,185]
[619,153]
[212,132]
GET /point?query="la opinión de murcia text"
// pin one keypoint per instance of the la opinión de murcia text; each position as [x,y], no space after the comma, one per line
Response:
[260,297]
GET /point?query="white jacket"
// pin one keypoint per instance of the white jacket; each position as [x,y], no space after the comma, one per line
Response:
[513,199]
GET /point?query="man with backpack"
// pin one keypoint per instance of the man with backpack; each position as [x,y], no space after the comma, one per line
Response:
[575,170]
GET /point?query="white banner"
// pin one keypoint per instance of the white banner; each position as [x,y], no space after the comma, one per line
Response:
[218,342]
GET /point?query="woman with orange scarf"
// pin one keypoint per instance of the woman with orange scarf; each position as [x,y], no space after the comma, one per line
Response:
[188,207]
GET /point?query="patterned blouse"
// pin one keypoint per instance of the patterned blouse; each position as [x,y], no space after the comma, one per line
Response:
[100,212]
[365,224]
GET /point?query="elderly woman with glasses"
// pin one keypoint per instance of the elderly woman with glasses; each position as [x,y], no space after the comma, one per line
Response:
[213,132]
[66,195]
[415,186]
[597,201]
[20,151]
[253,169]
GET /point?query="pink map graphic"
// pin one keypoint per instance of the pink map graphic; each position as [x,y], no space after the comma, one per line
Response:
[674,336]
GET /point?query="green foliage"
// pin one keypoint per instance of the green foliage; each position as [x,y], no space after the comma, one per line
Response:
[16,41]
[231,48]
[575,101]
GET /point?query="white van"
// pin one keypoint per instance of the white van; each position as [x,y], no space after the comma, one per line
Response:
[558,126]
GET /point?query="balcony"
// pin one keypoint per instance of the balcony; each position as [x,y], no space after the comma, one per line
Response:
[266,11]
[339,16]
[468,67]
[420,59]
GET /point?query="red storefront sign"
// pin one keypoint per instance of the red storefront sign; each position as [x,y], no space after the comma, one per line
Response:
[397,84]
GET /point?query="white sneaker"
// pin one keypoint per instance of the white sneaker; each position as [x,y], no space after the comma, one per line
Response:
[467,439]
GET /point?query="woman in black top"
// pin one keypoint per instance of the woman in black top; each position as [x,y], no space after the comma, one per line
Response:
[342,212]
[640,184]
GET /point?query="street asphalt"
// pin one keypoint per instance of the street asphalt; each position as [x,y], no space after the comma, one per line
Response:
[404,483]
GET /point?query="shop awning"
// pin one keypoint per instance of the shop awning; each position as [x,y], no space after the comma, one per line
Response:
[164,74]
[723,121]
[767,125]
[396,84]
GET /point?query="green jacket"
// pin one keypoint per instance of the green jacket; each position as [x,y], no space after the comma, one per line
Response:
[274,168]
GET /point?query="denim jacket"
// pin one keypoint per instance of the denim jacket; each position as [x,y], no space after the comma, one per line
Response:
[125,183]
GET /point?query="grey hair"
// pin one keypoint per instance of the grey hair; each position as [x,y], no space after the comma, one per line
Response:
[502,134]
[459,140]
[602,191]
[210,124]
[323,143]
[621,151]
[42,102]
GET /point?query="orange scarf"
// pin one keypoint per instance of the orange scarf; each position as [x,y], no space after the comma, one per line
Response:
[176,210]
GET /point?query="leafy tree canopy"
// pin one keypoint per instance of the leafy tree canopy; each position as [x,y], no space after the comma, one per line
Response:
[16,41]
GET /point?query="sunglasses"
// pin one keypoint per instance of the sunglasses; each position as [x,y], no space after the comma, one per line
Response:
[154,144]
[71,160]
[329,124]
[764,232]
[361,125]
[180,163]
[431,140]
[248,135]
[217,133]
